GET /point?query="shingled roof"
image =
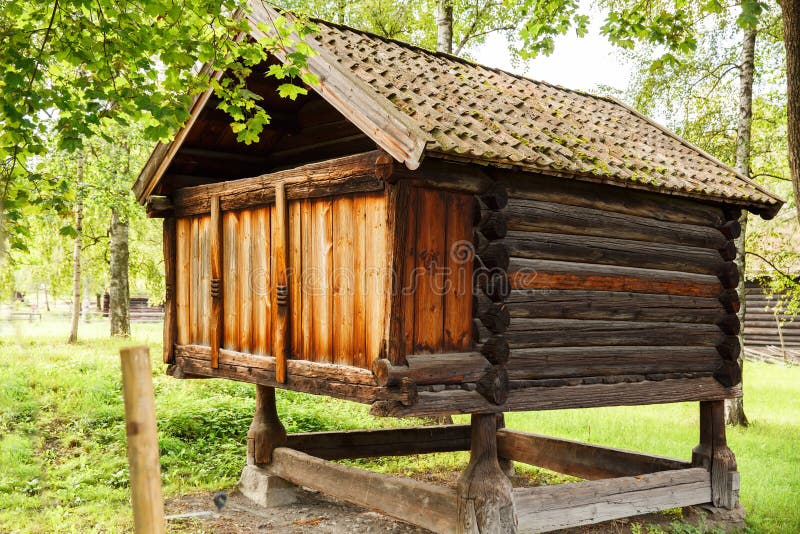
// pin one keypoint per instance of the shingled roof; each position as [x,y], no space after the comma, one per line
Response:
[415,103]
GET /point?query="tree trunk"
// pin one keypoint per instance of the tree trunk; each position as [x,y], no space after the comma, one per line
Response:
[119,293]
[76,258]
[444,24]
[791,40]
[735,407]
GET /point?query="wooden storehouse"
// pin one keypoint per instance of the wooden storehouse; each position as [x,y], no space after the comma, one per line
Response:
[430,236]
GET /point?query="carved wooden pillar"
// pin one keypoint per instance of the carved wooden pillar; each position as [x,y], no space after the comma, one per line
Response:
[713,453]
[266,431]
[485,504]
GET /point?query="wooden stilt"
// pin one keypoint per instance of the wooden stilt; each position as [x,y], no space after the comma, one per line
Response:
[713,454]
[724,476]
[266,431]
[485,504]
[701,454]
[506,464]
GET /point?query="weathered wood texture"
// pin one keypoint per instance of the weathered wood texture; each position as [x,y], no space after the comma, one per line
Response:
[335,278]
[548,508]
[382,442]
[436,302]
[343,382]
[578,459]
[170,283]
[485,503]
[449,401]
[422,504]
[350,174]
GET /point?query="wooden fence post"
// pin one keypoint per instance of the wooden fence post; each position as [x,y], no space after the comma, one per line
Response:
[140,427]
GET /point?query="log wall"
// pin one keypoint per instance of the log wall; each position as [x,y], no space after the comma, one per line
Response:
[337,275]
[610,282]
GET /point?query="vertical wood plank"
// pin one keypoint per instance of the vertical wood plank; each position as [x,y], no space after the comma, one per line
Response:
[261,278]
[359,281]
[409,270]
[281,254]
[205,281]
[295,284]
[183,282]
[245,281]
[343,298]
[322,301]
[217,326]
[170,310]
[430,262]
[459,261]
[194,295]
[376,275]
[230,290]
[397,209]
[307,278]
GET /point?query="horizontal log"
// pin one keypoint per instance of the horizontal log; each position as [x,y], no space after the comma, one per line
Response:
[308,377]
[524,333]
[494,283]
[493,256]
[494,385]
[492,224]
[452,368]
[537,216]
[613,251]
[731,229]
[446,402]
[549,274]
[729,347]
[610,198]
[612,305]
[751,331]
[578,459]
[729,373]
[495,349]
[435,173]
[563,362]
[349,444]
[429,506]
[547,508]
[338,176]
[495,316]
[729,299]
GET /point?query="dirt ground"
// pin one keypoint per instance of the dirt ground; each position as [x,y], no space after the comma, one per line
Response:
[316,513]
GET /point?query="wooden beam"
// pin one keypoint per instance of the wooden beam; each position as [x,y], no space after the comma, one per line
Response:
[170,302]
[449,401]
[334,177]
[340,381]
[340,445]
[419,503]
[580,459]
[547,508]
[280,251]
[453,368]
[216,328]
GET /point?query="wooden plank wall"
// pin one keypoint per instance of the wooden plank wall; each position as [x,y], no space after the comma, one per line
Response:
[437,272]
[611,282]
[338,279]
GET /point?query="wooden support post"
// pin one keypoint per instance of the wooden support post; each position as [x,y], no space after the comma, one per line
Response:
[713,454]
[485,504]
[142,437]
[216,318]
[266,431]
[506,464]
[724,476]
[281,251]
[170,303]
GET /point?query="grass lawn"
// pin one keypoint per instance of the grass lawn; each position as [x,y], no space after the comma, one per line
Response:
[62,449]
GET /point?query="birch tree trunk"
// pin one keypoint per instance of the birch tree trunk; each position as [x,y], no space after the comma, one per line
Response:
[791,40]
[735,407]
[444,25]
[119,292]
[76,258]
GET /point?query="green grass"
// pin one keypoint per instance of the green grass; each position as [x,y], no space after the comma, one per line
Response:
[62,449]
